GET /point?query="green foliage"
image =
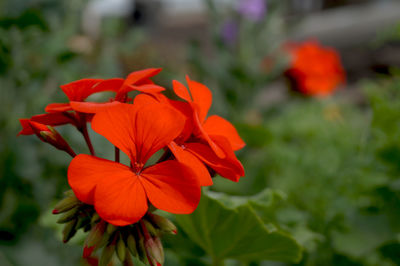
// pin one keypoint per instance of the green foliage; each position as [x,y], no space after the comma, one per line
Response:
[227,231]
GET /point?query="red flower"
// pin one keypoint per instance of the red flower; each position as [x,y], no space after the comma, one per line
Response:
[210,141]
[199,97]
[315,70]
[120,193]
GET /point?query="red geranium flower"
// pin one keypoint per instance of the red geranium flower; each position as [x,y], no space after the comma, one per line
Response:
[315,70]
[210,141]
[119,193]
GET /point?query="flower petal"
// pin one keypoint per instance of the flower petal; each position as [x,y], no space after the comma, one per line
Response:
[58,107]
[79,90]
[139,130]
[117,124]
[120,198]
[147,88]
[172,187]
[137,76]
[186,157]
[202,97]
[229,167]
[51,119]
[113,84]
[156,125]
[86,171]
[216,125]
[146,99]
[203,134]
[90,107]
[181,91]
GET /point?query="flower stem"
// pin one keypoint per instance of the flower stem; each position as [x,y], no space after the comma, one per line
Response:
[71,152]
[116,154]
[87,138]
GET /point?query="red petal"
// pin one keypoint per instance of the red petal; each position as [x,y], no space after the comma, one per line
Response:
[229,167]
[186,157]
[137,76]
[139,131]
[187,111]
[116,124]
[79,90]
[37,127]
[156,126]
[216,125]
[113,84]
[202,97]
[148,88]
[90,107]
[172,187]
[203,134]
[58,107]
[86,171]
[51,119]
[26,127]
[181,91]
[145,99]
[120,198]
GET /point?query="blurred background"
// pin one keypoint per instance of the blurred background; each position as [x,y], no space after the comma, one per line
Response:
[334,161]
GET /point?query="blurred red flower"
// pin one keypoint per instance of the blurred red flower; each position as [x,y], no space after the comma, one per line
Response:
[315,70]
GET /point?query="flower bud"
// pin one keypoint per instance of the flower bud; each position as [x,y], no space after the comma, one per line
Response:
[154,249]
[128,259]
[95,218]
[150,228]
[107,254]
[121,248]
[130,241]
[95,235]
[67,216]
[48,134]
[66,204]
[111,228]
[162,223]
[140,247]
[69,230]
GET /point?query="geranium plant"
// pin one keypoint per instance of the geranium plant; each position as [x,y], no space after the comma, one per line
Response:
[115,202]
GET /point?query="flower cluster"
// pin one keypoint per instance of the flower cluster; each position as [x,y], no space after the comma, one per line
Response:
[315,70]
[115,201]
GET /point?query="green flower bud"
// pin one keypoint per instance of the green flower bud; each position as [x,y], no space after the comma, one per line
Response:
[121,248]
[162,223]
[107,254]
[130,240]
[67,216]
[66,204]
[69,230]
[96,234]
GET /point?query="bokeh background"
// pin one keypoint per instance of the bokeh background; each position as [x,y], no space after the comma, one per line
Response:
[332,163]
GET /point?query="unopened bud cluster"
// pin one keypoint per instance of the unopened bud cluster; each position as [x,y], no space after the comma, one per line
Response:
[140,240]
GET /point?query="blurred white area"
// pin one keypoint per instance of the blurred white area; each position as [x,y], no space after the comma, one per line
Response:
[181,6]
[98,9]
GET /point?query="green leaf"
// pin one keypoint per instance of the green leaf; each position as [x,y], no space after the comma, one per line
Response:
[237,232]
